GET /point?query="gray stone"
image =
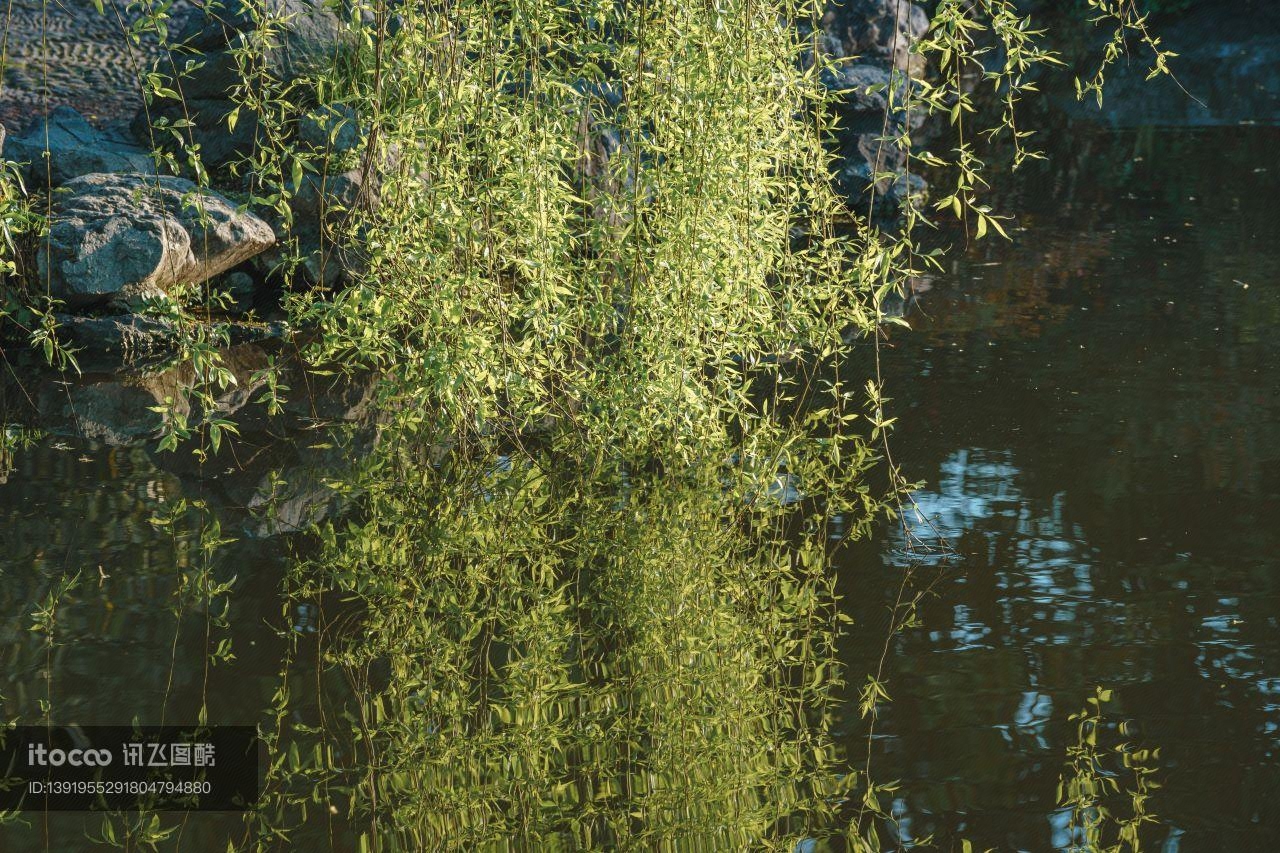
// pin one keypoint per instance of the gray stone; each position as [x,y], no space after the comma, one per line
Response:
[215,77]
[219,144]
[908,189]
[116,341]
[74,148]
[122,341]
[310,39]
[119,237]
[880,31]
[311,33]
[241,286]
[880,153]
[317,234]
[891,193]
[862,88]
[331,129]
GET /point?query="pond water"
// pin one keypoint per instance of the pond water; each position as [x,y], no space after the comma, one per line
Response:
[1095,410]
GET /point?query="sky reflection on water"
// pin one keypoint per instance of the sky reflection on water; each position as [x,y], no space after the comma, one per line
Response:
[1096,411]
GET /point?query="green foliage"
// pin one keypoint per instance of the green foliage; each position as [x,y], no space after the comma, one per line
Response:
[611,302]
[18,218]
[573,512]
[14,439]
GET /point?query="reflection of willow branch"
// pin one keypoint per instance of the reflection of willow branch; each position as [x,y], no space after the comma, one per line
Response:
[579,656]
[1087,783]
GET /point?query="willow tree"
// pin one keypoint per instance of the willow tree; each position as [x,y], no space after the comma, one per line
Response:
[593,256]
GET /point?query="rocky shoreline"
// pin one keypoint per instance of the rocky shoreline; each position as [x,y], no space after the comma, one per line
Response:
[120,233]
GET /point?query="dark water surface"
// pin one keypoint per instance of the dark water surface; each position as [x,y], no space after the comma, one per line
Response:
[1096,411]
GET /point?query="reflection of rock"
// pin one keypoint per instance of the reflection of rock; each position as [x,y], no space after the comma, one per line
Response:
[129,236]
[116,413]
[299,492]
[73,148]
[273,477]
[274,484]
[277,475]
[126,340]
[114,407]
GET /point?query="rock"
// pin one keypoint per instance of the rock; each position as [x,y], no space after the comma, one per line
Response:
[878,31]
[334,130]
[117,237]
[879,153]
[311,33]
[866,155]
[220,145]
[241,287]
[1,139]
[908,189]
[862,88]
[310,38]
[74,148]
[215,77]
[891,194]
[596,178]
[118,341]
[316,235]
[874,40]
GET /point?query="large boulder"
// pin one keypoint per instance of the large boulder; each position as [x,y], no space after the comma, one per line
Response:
[310,38]
[63,145]
[219,143]
[119,237]
[884,192]
[865,47]
[311,33]
[333,130]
